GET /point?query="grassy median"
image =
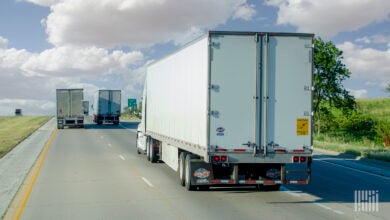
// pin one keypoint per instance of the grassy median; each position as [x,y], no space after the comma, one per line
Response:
[15,129]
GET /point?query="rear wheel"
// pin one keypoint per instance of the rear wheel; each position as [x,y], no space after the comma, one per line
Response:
[148,143]
[153,153]
[182,172]
[188,183]
[136,145]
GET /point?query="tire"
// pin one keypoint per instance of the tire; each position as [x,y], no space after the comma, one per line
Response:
[188,183]
[182,172]
[148,148]
[153,154]
[136,145]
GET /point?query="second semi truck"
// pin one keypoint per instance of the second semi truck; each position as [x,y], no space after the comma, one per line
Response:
[107,106]
[232,108]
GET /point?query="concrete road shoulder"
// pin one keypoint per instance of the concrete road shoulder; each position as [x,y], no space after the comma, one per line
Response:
[15,166]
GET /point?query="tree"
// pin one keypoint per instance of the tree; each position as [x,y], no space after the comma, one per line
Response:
[329,73]
[388,88]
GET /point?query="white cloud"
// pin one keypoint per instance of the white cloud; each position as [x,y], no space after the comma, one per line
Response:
[136,23]
[71,60]
[367,63]
[245,12]
[360,93]
[327,18]
[3,42]
[376,39]
[28,80]
[42,2]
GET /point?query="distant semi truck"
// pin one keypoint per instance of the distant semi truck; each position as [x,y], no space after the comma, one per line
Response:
[107,106]
[232,108]
[70,111]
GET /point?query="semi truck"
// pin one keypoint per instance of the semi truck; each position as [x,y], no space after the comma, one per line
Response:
[232,108]
[70,111]
[107,106]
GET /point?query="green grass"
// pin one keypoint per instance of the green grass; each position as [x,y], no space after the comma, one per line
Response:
[378,109]
[129,117]
[15,129]
[364,149]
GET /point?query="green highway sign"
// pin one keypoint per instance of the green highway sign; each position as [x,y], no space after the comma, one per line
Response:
[131,103]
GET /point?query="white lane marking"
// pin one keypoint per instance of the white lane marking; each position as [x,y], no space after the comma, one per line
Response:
[339,212]
[288,191]
[147,182]
[122,157]
[323,206]
[295,194]
[362,171]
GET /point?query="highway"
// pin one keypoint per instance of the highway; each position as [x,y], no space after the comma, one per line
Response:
[96,173]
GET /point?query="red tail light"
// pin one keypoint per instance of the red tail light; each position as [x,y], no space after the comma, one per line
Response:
[216,158]
[223,158]
[302,159]
[296,159]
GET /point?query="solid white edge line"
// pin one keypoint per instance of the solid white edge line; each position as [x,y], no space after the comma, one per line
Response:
[122,157]
[366,172]
[147,182]
[323,206]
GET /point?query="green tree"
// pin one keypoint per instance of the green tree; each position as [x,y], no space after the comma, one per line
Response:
[388,88]
[329,73]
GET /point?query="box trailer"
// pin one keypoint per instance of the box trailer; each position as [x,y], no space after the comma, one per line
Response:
[107,106]
[70,110]
[232,108]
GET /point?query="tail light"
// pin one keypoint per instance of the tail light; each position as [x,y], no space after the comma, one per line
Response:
[223,158]
[302,159]
[296,159]
[216,158]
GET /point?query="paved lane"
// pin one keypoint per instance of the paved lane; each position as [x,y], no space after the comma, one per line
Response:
[95,173]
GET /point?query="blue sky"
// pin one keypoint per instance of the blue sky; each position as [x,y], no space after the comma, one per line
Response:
[105,44]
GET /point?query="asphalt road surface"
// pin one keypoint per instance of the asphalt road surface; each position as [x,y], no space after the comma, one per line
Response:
[96,173]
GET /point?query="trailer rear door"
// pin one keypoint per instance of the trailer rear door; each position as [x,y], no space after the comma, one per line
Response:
[233,91]
[287,91]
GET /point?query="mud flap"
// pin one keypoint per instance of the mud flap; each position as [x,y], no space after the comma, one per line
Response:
[201,172]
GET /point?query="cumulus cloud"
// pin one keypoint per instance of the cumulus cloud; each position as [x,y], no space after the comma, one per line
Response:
[360,93]
[70,60]
[30,79]
[3,42]
[42,2]
[376,39]
[245,12]
[137,23]
[327,18]
[367,63]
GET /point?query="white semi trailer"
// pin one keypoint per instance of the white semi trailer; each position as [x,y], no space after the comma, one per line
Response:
[232,108]
[70,110]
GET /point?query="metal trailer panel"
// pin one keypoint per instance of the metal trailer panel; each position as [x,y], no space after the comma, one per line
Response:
[177,94]
[69,103]
[233,91]
[287,82]
[107,102]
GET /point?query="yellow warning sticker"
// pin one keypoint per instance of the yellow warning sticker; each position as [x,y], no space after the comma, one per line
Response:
[302,126]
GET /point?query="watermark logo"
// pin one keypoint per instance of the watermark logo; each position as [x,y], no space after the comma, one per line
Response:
[366,200]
